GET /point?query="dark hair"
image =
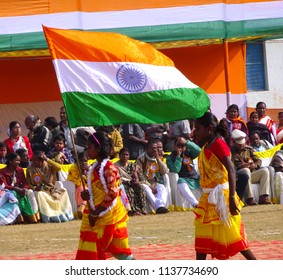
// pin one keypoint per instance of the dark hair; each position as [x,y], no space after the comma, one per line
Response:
[177,139]
[21,151]
[102,140]
[37,153]
[10,157]
[253,113]
[13,123]
[52,121]
[254,132]
[3,145]
[124,150]
[260,103]
[208,119]
[151,142]
[59,136]
[233,106]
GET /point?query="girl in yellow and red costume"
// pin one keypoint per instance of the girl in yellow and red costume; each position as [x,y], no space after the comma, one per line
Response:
[219,230]
[103,230]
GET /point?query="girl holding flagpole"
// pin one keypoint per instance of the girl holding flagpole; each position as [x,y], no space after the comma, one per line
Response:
[104,222]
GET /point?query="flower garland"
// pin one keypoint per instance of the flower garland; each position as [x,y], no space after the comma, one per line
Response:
[103,181]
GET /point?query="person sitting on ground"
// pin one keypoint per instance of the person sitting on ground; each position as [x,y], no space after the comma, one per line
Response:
[13,178]
[24,158]
[39,135]
[152,169]
[76,176]
[53,202]
[16,141]
[3,152]
[135,192]
[257,143]
[59,152]
[247,162]
[254,125]
[181,161]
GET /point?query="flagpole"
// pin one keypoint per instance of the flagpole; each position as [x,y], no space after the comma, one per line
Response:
[77,159]
[227,73]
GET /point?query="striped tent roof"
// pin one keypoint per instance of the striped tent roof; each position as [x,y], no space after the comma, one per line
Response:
[165,24]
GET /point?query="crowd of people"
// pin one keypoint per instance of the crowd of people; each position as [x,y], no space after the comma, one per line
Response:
[139,161]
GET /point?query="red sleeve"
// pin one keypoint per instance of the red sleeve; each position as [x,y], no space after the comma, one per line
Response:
[220,148]
[28,145]
[9,144]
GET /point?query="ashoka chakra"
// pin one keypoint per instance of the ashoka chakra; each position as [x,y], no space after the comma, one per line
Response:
[131,78]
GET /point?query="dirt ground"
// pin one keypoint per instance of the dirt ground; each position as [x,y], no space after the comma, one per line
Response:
[262,223]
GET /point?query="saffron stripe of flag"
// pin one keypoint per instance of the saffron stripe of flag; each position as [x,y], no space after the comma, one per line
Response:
[109,79]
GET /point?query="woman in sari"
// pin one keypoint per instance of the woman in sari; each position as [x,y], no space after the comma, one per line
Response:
[104,222]
[219,230]
[53,202]
[14,180]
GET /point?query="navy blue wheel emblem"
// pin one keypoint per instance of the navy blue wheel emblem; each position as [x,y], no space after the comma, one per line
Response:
[131,78]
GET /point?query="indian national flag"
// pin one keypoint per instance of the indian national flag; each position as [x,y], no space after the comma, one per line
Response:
[109,78]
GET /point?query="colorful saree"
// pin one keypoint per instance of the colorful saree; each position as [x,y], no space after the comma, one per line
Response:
[212,235]
[109,235]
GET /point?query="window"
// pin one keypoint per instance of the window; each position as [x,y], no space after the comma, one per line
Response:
[255,67]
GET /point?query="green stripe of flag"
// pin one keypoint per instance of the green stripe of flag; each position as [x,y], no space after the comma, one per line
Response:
[114,109]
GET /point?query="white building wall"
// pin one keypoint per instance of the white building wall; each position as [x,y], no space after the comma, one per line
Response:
[273,97]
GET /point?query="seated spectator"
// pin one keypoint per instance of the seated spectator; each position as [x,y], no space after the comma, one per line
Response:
[247,162]
[116,137]
[181,161]
[52,124]
[24,158]
[39,135]
[76,176]
[265,119]
[16,141]
[3,152]
[235,121]
[279,128]
[180,128]
[53,202]
[160,149]
[13,178]
[59,152]
[135,192]
[152,169]
[254,125]
[257,143]
[277,164]
[10,212]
